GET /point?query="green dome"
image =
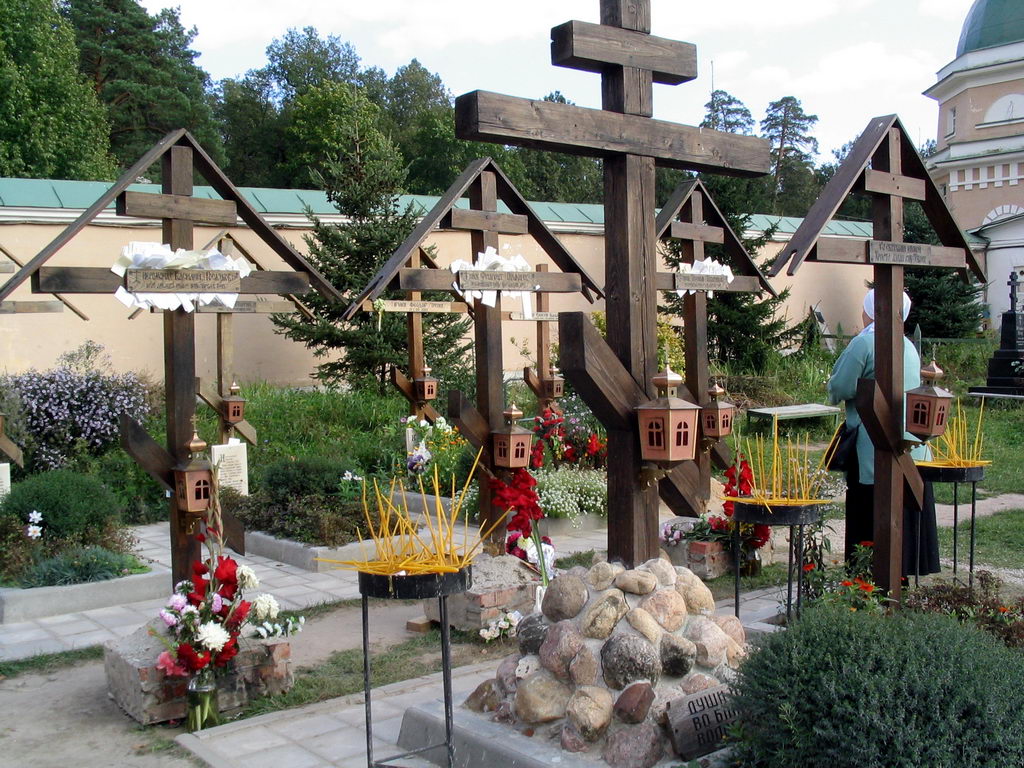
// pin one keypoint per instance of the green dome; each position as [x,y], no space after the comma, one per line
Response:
[990,23]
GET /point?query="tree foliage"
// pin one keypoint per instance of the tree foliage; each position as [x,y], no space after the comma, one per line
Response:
[53,125]
[724,112]
[362,172]
[143,69]
[788,127]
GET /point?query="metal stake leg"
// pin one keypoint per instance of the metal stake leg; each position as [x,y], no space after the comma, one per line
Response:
[366,682]
[974,509]
[800,568]
[917,550]
[789,575]
[446,675]
[736,565]
[956,521]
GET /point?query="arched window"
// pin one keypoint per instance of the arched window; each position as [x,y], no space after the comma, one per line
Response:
[682,434]
[502,447]
[520,449]
[656,433]
[202,490]
[920,415]
[940,416]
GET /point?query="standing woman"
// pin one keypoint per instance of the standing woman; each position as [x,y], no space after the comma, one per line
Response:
[858,362]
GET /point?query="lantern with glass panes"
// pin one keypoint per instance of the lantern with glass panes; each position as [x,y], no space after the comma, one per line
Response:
[512,442]
[668,424]
[233,405]
[554,385]
[928,405]
[717,416]
[193,480]
[425,385]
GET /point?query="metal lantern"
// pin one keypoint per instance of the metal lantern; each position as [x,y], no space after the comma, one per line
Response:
[668,425]
[233,405]
[193,480]
[554,385]
[512,442]
[425,385]
[717,416]
[928,405]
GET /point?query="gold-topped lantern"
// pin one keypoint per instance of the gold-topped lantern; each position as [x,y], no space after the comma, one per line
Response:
[425,386]
[512,442]
[193,480]
[554,385]
[928,405]
[668,424]
[718,415]
[233,405]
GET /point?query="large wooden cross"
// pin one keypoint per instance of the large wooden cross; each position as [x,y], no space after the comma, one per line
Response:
[884,164]
[181,156]
[631,143]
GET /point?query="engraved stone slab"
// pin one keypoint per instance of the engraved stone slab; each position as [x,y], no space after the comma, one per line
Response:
[183,281]
[232,463]
[697,723]
[685,281]
[492,280]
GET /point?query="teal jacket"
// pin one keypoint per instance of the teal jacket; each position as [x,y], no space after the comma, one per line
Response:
[858,362]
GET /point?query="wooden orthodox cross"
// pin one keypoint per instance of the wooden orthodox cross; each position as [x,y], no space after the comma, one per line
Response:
[631,143]
[884,164]
[485,184]
[180,156]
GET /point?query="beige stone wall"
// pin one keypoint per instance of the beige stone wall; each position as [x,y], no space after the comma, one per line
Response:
[36,340]
[971,106]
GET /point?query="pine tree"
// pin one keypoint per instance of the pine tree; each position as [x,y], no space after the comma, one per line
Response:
[362,172]
[787,127]
[53,126]
[724,112]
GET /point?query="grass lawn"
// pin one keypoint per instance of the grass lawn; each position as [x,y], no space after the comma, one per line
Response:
[999,540]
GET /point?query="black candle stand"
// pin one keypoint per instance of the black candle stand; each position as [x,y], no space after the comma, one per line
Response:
[795,516]
[417,587]
[956,476]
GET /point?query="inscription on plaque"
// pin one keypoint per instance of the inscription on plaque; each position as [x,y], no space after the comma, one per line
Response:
[912,254]
[698,722]
[232,463]
[685,281]
[491,280]
[183,281]
[542,317]
[421,306]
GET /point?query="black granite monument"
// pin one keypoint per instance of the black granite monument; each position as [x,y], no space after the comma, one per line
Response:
[1006,368]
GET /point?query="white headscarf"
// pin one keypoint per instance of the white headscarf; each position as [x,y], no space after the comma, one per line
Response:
[869,310]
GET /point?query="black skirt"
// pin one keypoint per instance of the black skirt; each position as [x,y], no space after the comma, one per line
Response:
[860,524]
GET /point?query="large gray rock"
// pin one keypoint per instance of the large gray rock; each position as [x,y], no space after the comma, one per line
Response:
[565,598]
[636,582]
[603,614]
[486,698]
[677,655]
[530,633]
[667,607]
[601,576]
[560,646]
[662,569]
[540,699]
[506,675]
[590,711]
[644,623]
[695,592]
[635,746]
[583,668]
[696,682]
[732,626]
[711,641]
[571,740]
[626,658]
[634,703]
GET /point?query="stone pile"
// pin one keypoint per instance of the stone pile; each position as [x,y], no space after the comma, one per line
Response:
[597,668]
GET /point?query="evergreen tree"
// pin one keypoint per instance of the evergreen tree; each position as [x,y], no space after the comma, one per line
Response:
[53,125]
[253,130]
[362,172]
[788,127]
[142,68]
[724,112]
[301,60]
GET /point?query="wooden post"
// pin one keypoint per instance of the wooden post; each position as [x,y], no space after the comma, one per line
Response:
[414,326]
[179,361]
[888,225]
[695,321]
[490,372]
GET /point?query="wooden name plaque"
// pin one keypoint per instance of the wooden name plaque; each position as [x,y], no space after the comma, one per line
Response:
[538,317]
[915,254]
[686,281]
[492,280]
[183,281]
[391,305]
[697,723]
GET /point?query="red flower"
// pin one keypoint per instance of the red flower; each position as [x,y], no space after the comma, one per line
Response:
[199,569]
[808,567]
[867,587]
[867,544]
[846,583]
[570,454]
[1003,609]
[227,575]
[228,652]
[192,659]
[240,613]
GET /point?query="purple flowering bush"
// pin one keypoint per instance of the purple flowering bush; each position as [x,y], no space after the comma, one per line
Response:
[66,411]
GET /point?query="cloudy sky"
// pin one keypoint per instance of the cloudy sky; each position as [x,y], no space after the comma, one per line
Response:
[846,60]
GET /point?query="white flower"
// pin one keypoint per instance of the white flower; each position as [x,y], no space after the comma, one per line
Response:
[33,531]
[424,423]
[246,577]
[35,517]
[265,607]
[212,636]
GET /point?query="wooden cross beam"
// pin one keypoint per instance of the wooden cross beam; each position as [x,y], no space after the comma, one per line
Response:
[631,143]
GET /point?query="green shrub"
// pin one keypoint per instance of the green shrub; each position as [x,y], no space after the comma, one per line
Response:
[74,506]
[312,476]
[80,565]
[319,520]
[982,605]
[140,497]
[855,690]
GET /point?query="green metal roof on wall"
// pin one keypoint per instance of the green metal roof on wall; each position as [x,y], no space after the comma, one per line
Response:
[990,23]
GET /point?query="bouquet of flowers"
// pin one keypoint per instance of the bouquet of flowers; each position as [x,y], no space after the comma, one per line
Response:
[505,625]
[205,616]
[524,536]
